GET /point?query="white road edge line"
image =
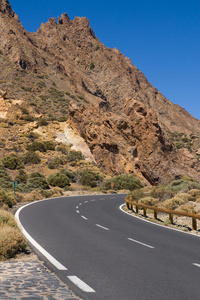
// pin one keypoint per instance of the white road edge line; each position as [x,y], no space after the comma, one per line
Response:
[197,265]
[54,262]
[101,227]
[135,241]
[81,284]
[84,218]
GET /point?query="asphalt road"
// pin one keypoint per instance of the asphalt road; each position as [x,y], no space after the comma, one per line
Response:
[111,255]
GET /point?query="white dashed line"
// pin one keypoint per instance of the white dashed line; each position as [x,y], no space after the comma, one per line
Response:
[85,201]
[81,284]
[84,218]
[101,227]
[78,212]
[135,241]
[80,204]
[93,200]
[197,265]
[77,207]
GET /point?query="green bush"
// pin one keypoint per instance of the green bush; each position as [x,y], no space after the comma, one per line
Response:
[21,177]
[89,178]
[42,122]
[29,118]
[49,145]
[36,146]
[55,94]
[136,195]
[5,198]
[11,162]
[161,193]
[55,163]
[69,174]
[58,179]
[123,182]
[30,157]
[62,148]
[183,185]
[24,110]
[37,180]
[5,180]
[40,146]
[92,65]
[74,155]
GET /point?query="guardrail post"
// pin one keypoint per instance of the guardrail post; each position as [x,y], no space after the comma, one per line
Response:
[136,208]
[194,224]
[171,218]
[155,214]
[144,211]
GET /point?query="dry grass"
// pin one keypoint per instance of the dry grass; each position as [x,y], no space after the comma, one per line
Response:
[11,239]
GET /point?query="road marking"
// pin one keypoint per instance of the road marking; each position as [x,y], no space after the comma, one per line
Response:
[84,218]
[93,200]
[85,201]
[102,199]
[81,284]
[77,207]
[197,265]
[80,203]
[130,239]
[78,212]
[101,227]
[54,262]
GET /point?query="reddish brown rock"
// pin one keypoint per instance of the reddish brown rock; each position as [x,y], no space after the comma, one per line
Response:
[122,117]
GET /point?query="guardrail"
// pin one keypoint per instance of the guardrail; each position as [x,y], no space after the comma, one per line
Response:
[194,216]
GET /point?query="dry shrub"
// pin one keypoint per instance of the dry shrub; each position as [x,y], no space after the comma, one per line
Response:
[198,200]
[188,207]
[184,196]
[148,201]
[173,203]
[194,193]
[33,196]
[6,218]
[11,242]
[56,192]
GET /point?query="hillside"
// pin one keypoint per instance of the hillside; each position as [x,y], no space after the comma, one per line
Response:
[64,75]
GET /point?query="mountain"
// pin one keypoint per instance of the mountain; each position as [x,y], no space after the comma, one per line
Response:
[63,72]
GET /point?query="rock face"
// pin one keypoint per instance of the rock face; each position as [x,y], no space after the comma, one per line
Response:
[122,117]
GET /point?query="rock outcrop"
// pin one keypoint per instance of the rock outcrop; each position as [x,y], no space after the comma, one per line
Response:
[122,117]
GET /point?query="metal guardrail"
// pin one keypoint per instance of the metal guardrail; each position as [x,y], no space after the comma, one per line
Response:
[194,216]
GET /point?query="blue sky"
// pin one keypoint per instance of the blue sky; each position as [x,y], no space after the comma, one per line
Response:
[161,37]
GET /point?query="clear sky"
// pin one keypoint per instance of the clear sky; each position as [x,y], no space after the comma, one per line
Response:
[161,37]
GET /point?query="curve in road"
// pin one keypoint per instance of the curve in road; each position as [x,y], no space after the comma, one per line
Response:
[105,254]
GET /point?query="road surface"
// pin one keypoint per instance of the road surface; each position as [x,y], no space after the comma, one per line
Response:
[105,254]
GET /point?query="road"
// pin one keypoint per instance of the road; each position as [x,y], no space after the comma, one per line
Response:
[105,254]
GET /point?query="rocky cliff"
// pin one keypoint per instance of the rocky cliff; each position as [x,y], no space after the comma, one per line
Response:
[63,71]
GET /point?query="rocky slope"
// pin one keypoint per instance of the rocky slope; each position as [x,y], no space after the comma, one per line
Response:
[64,73]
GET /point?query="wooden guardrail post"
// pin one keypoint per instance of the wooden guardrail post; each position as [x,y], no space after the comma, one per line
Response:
[171,218]
[144,211]
[136,209]
[155,214]
[194,224]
